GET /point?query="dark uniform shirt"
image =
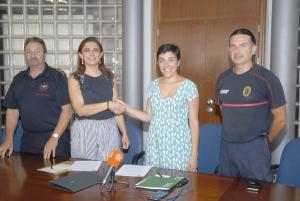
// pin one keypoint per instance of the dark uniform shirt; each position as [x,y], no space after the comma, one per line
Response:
[39,102]
[246,102]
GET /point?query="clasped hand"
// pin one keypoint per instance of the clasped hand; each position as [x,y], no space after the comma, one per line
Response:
[116,107]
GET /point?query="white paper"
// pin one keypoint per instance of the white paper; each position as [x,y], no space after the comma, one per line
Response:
[133,170]
[85,166]
[59,168]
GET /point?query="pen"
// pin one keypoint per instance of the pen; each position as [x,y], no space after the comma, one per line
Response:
[51,161]
[6,155]
[159,174]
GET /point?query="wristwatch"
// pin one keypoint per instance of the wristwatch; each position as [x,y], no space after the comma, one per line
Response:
[55,135]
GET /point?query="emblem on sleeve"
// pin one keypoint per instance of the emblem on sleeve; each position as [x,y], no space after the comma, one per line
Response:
[246,91]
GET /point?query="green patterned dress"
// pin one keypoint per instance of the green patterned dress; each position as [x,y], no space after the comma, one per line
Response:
[169,143]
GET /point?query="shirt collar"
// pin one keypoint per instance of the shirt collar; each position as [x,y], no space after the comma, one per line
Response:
[45,72]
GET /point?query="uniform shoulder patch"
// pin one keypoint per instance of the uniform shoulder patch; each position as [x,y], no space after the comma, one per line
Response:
[61,71]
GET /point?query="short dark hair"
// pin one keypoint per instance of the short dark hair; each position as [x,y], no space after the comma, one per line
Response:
[168,48]
[244,32]
[36,40]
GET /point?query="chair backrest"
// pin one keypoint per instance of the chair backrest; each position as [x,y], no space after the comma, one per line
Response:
[17,137]
[209,148]
[289,167]
[135,136]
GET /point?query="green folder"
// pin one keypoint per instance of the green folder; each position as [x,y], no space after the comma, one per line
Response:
[159,182]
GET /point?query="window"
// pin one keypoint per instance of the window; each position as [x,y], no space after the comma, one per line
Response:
[63,24]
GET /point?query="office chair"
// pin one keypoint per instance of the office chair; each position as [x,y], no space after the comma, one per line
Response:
[209,148]
[17,137]
[135,152]
[289,167]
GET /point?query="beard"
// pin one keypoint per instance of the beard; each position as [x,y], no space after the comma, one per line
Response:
[34,62]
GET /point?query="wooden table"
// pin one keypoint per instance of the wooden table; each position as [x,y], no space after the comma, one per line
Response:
[20,181]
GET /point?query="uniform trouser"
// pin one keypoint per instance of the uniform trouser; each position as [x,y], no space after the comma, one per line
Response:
[246,159]
[35,143]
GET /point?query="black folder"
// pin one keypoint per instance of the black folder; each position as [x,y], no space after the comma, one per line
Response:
[76,182]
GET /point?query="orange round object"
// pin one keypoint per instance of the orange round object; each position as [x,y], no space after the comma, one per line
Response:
[115,158]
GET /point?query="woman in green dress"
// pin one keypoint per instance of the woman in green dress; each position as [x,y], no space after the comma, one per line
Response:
[172,110]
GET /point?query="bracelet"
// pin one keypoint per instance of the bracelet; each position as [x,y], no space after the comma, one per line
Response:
[107,103]
[55,135]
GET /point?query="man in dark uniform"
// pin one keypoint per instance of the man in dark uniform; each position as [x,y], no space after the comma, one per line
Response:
[39,96]
[252,102]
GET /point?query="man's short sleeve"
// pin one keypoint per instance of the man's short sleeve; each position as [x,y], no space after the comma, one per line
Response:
[62,90]
[275,93]
[10,98]
[217,92]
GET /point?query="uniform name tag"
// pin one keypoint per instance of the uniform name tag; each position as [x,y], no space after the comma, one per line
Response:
[224,91]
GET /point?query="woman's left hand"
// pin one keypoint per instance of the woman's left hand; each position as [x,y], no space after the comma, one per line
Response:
[125,142]
[193,163]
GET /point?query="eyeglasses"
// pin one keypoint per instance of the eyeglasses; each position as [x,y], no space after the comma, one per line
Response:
[170,61]
[90,51]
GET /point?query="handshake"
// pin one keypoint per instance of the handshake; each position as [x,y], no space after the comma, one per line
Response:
[117,106]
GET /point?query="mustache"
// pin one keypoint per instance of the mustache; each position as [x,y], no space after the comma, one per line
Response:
[33,60]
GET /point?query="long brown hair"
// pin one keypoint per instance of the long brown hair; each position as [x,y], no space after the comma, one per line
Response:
[102,67]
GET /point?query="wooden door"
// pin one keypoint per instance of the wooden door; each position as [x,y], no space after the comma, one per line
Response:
[201,29]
